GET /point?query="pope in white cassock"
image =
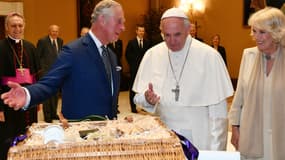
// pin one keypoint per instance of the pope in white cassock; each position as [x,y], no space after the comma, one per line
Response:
[186,83]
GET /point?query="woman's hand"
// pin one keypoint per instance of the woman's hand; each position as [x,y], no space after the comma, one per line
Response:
[235,136]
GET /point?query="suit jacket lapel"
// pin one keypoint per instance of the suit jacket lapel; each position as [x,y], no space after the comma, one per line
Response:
[94,54]
[59,43]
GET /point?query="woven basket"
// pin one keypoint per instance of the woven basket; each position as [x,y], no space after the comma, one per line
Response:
[131,149]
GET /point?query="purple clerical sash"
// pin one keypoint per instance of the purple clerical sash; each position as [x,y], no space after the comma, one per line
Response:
[23,75]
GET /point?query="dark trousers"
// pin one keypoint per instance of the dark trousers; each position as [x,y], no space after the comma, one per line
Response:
[132,93]
[50,109]
[5,145]
[131,97]
[16,123]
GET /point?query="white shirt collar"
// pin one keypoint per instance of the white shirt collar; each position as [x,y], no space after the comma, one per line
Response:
[51,39]
[139,39]
[96,40]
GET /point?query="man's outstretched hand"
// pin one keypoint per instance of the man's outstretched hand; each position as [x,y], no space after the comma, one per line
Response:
[16,97]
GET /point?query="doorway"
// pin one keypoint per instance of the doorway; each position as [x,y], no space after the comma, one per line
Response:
[2,27]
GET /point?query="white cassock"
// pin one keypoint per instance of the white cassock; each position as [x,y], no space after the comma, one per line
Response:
[200,114]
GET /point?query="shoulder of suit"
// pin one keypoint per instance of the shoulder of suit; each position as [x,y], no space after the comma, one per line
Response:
[3,41]
[60,39]
[221,47]
[85,40]
[251,50]
[45,38]
[131,41]
[28,43]
[135,40]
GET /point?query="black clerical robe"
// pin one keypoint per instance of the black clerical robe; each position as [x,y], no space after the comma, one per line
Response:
[15,122]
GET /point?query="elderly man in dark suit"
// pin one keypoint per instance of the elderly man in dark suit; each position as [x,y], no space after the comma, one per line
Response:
[48,48]
[134,53]
[86,71]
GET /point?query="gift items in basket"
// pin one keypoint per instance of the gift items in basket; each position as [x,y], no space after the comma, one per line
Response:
[144,137]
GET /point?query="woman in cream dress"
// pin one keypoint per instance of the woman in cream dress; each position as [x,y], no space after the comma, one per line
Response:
[257,113]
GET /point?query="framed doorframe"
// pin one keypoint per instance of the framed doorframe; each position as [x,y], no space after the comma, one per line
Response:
[84,11]
[5,9]
[251,6]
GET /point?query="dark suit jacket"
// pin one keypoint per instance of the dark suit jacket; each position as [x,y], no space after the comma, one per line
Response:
[134,55]
[222,51]
[47,53]
[79,71]
[199,39]
[117,49]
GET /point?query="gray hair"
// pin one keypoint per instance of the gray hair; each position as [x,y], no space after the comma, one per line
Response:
[271,20]
[13,14]
[104,7]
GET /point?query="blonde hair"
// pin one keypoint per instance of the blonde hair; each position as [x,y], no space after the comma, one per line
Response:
[272,20]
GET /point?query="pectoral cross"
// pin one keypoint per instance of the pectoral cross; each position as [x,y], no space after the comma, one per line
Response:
[176,92]
[21,69]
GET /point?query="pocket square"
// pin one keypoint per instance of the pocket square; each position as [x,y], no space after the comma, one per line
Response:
[118,68]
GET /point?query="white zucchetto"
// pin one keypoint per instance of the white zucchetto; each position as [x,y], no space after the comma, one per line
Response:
[174,12]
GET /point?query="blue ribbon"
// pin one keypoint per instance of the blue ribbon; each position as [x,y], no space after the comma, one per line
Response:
[190,151]
[18,139]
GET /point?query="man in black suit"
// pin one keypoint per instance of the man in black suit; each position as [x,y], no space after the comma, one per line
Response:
[193,32]
[48,48]
[18,63]
[135,51]
[117,48]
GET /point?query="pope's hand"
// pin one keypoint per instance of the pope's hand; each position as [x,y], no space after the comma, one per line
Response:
[16,97]
[150,96]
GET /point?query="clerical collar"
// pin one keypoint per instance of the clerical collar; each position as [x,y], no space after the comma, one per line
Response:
[15,40]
